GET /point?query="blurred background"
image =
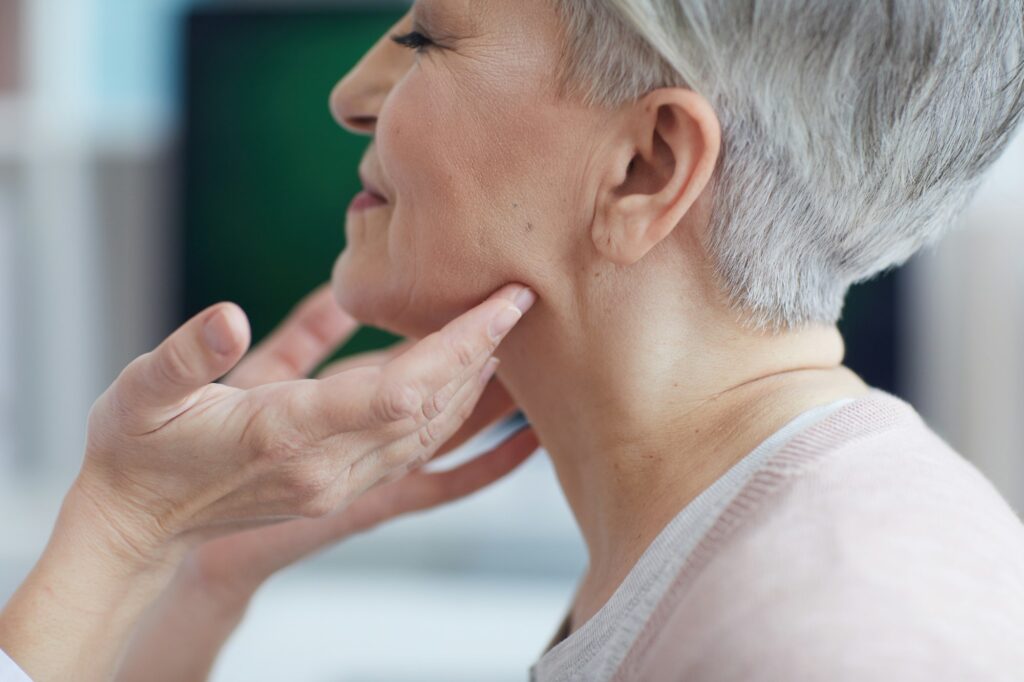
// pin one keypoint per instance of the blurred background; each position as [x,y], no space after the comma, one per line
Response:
[162,155]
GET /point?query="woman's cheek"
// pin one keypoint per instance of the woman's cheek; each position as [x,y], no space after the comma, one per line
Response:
[398,136]
[421,136]
[440,240]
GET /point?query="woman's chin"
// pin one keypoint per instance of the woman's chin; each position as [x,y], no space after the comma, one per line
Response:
[368,294]
[356,291]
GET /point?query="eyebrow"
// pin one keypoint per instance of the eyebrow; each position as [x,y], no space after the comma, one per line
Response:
[425,13]
[435,18]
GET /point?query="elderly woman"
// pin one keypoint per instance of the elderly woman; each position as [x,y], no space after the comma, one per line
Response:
[690,187]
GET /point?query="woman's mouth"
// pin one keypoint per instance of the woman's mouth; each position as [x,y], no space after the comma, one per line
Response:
[366,200]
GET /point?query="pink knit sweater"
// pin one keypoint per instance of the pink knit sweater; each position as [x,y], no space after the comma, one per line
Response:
[865,549]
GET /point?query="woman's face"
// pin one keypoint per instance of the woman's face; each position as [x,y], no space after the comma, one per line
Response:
[484,169]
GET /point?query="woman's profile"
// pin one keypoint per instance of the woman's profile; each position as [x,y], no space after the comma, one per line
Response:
[691,188]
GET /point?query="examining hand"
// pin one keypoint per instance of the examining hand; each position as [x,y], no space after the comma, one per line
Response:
[184,631]
[232,567]
[174,460]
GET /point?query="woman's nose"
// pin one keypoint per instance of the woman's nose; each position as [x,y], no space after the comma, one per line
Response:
[354,107]
[357,99]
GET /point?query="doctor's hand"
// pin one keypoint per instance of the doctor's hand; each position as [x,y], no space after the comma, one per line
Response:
[173,460]
[183,632]
[231,568]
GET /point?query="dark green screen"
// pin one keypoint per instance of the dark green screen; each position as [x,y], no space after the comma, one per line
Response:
[266,172]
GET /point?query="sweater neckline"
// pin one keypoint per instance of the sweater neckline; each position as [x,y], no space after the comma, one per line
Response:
[868,415]
[564,644]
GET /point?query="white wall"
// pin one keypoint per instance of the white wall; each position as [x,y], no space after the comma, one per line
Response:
[8,191]
[965,361]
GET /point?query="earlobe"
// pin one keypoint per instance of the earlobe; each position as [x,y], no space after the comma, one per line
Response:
[668,157]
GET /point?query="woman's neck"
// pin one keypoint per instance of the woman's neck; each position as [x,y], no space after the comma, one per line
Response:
[643,408]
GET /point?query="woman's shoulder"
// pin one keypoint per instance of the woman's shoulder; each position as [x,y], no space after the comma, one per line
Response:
[872,492]
[876,465]
[875,450]
[865,532]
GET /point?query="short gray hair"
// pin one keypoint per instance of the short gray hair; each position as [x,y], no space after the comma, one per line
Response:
[853,131]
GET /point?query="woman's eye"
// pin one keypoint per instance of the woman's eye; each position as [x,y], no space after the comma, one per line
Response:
[413,40]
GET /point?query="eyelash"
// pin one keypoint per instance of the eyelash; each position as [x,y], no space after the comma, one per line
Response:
[414,40]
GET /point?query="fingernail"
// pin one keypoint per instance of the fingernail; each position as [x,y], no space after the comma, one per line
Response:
[489,370]
[525,299]
[503,322]
[218,335]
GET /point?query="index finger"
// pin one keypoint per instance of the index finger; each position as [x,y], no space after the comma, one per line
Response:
[417,383]
[449,358]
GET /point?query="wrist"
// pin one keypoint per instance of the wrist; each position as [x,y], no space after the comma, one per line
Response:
[128,541]
[105,556]
[86,592]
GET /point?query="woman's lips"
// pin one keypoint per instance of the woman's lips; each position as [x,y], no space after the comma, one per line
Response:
[366,200]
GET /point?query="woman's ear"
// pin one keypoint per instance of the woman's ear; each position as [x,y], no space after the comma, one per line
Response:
[667,159]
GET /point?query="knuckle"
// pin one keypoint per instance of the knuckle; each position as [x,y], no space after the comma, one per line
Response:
[172,366]
[265,438]
[278,449]
[111,410]
[317,507]
[435,405]
[430,433]
[299,410]
[397,401]
[306,491]
[462,350]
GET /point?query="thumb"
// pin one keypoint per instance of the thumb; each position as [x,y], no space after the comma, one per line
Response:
[199,352]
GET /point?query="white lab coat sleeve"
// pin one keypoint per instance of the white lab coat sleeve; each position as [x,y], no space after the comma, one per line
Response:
[9,670]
